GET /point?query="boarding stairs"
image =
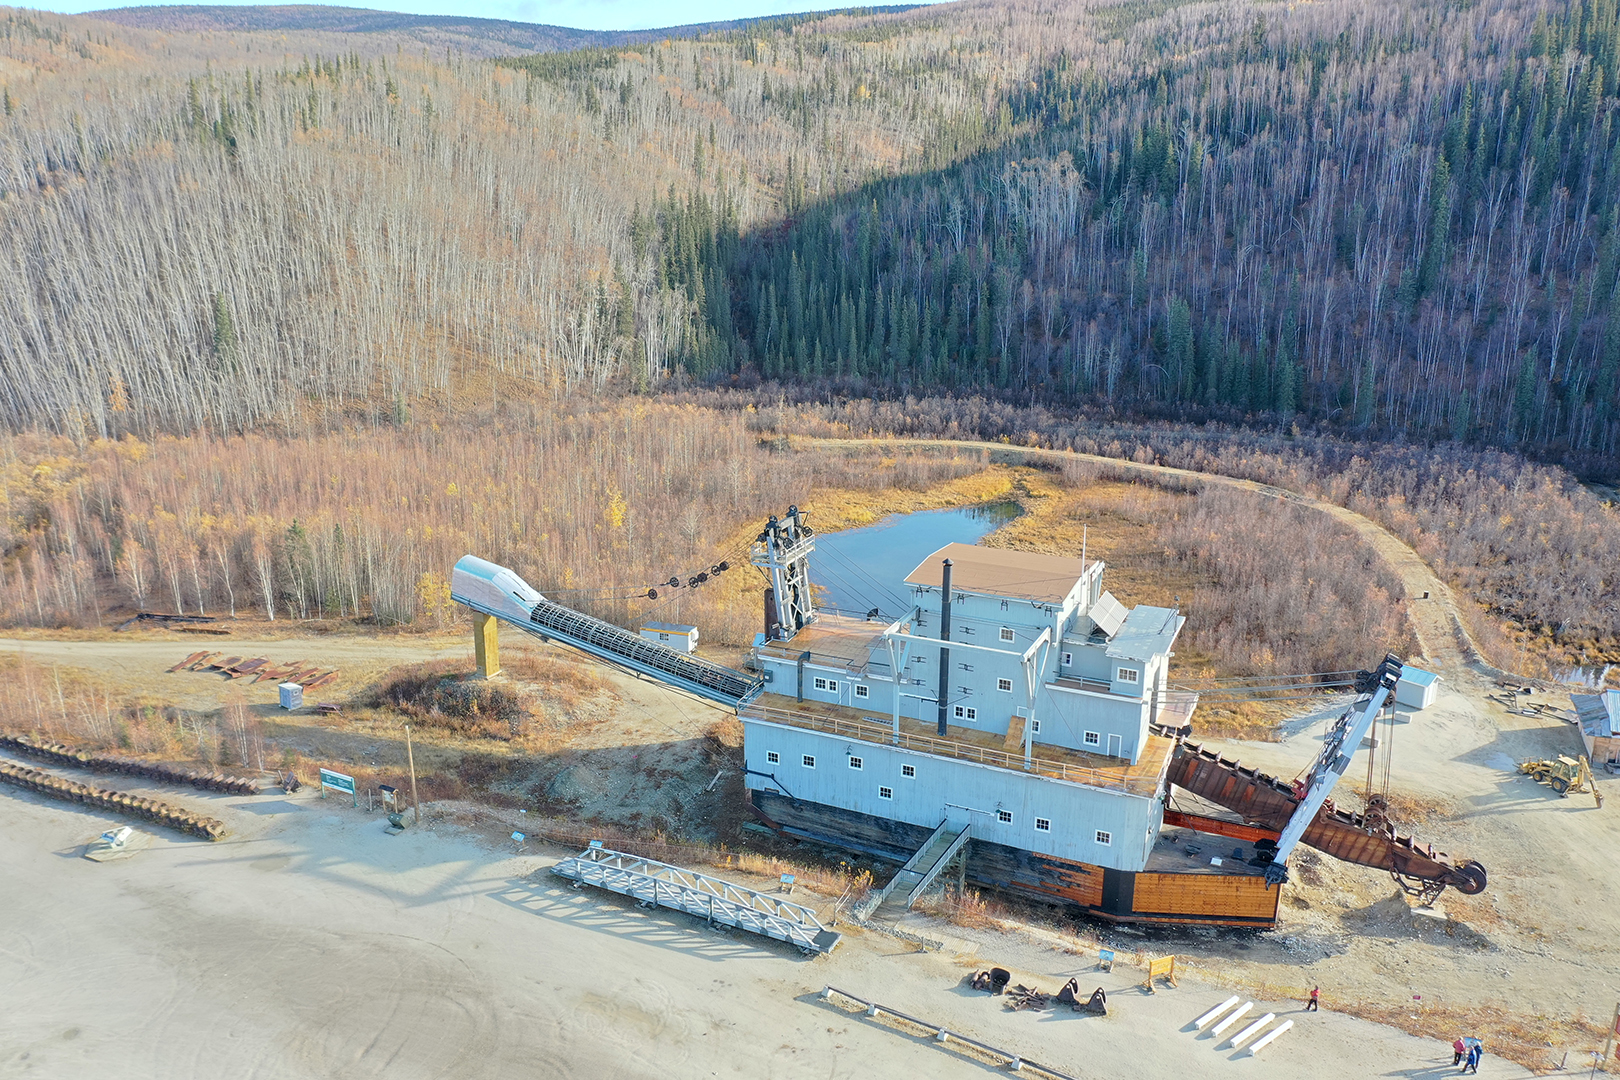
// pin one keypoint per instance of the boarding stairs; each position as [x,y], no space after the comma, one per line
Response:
[904,889]
[721,903]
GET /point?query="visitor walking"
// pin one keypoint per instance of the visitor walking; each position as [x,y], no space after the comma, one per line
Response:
[1316,994]
[1458,1049]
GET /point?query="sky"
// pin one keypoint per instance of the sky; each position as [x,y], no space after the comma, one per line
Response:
[579,14]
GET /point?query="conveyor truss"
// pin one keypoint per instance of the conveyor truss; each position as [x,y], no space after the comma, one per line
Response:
[656,884]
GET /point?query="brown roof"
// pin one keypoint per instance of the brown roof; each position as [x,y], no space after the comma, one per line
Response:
[999,572]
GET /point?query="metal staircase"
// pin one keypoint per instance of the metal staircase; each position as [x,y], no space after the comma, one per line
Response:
[921,869]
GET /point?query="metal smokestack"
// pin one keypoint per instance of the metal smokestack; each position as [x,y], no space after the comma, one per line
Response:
[944,635]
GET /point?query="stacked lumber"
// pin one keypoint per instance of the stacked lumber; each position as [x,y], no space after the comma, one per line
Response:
[67,756]
[258,669]
[152,810]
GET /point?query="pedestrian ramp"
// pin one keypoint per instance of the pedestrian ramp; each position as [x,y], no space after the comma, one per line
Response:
[921,869]
[721,903]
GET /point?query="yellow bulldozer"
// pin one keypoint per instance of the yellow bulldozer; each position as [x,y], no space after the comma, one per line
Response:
[1565,775]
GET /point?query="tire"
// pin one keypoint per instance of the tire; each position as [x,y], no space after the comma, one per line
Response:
[1559,784]
[1469,878]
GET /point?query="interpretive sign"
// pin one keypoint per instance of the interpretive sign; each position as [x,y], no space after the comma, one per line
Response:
[339,782]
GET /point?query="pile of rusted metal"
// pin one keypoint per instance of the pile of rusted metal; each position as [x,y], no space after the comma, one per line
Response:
[162,772]
[258,668]
[1023,997]
[151,810]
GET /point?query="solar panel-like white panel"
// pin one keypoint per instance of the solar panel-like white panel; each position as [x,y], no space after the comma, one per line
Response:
[1108,614]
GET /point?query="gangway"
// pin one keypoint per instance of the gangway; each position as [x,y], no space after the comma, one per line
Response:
[497,592]
[721,903]
[909,883]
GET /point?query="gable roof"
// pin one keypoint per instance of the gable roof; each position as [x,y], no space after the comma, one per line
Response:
[1045,579]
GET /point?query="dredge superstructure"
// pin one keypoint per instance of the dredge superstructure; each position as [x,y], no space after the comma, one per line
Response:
[1015,724]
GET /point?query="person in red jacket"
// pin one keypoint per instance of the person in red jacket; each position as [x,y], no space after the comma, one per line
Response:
[1458,1049]
[1311,1005]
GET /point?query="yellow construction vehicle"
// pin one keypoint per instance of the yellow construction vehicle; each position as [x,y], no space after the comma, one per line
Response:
[1565,775]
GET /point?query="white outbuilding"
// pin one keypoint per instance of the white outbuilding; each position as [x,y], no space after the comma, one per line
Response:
[678,637]
[1417,689]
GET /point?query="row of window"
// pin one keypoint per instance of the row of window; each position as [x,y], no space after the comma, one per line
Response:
[831,687]
[809,762]
[1005,817]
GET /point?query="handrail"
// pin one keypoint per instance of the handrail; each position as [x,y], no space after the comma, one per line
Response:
[877,732]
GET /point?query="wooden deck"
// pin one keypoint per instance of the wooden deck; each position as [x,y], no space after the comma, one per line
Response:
[1144,777]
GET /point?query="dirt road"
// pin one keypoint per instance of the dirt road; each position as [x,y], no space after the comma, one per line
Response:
[311,944]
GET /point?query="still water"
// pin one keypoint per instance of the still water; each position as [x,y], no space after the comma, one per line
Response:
[866,568]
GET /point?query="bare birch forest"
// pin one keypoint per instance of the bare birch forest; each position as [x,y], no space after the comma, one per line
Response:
[1392,218]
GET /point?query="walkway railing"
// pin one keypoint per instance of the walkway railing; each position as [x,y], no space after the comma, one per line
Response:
[878,732]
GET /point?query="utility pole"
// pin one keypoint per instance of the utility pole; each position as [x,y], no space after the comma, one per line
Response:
[416,807]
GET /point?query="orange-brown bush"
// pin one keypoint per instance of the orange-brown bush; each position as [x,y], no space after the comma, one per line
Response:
[1294,591]
[436,694]
[590,505]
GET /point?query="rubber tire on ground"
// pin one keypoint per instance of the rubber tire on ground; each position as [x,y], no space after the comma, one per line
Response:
[1559,784]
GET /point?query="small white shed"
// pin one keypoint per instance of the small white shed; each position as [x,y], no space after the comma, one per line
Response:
[292,695]
[1417,689]
[678,637]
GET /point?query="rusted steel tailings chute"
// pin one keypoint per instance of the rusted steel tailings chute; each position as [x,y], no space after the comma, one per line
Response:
[1267,803]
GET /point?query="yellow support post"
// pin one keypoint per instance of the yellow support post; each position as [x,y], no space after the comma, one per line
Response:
[487,644]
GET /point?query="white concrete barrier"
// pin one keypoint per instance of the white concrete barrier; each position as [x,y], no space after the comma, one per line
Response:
[1220,1028]
[1236,1042]
[1271,1037]
[1209,1018]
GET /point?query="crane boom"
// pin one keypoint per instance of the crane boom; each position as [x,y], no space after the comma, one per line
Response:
[499,592]
[1341,742]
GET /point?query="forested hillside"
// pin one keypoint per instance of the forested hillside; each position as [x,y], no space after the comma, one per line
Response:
[1398,219]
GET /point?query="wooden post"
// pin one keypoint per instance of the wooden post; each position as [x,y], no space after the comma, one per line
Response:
[1614,1026]
[416,806]
[487,644]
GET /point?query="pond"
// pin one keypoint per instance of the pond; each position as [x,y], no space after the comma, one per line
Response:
[861,569]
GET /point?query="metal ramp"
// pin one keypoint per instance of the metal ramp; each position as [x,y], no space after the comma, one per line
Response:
[721,903]
[922,868]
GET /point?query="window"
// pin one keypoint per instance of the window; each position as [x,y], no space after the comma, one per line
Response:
[967,712]
[885,792]
[1004,816]
[1004,685]
[908,770]
[1068,659]
[856,763]
[1128,674]
[663,637]
[1104,838]
[1006,633]
[772,758]
[829,685]
[1035,727]
[821,684]
[862,690]
[809,761]
[1093,739]
[1043,824]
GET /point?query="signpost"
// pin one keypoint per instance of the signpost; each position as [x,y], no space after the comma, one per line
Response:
[339,782]
[1162,968]
[519,837]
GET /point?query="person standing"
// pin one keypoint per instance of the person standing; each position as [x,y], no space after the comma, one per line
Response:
[1311,1005]
[1458,1049]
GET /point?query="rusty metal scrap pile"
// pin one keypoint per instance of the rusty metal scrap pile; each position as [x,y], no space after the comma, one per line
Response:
[257,669]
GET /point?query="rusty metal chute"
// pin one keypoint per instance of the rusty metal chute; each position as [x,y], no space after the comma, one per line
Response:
[1366,840]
